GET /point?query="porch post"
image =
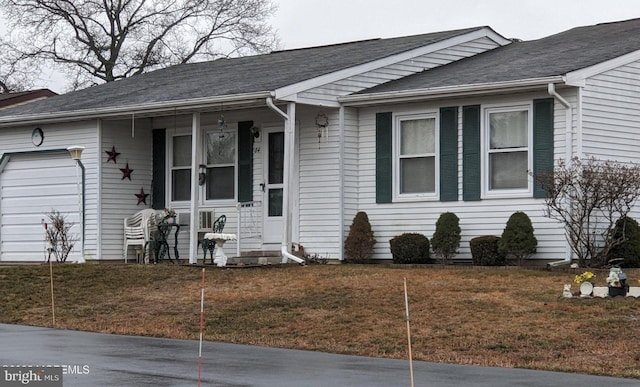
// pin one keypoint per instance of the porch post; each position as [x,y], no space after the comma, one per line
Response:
[289,162]
[196,150]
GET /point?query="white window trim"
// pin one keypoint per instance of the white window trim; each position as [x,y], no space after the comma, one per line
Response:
[184,204]
[484,151]
[414,197]
[170,168]
[231,127]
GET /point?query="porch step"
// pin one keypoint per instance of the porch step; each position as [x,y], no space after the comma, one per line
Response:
[257,257]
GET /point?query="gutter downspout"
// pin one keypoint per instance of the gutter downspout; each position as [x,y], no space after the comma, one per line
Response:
[341,120]
[289,134]
[551,88]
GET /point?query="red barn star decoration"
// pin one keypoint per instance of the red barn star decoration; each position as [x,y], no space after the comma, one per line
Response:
[142,197]
[112,154]
[126,172]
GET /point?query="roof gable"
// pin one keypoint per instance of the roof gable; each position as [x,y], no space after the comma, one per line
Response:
[555,55]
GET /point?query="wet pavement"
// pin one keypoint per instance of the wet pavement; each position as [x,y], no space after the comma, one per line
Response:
[95,359]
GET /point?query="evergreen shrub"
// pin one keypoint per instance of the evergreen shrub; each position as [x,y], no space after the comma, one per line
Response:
[410,248]
[358,246]
[517,241]
[484,251]
[446,238]
[629,249]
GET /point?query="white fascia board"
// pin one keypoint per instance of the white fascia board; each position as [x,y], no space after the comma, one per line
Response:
[309,101]
[449,91]
[287,91]
[155,107]
[579,77]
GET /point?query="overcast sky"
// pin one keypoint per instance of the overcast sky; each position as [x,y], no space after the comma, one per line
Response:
[305,23]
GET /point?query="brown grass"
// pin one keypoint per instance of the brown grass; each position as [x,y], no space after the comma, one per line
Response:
[491,317]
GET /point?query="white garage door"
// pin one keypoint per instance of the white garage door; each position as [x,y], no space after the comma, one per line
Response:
[31,186]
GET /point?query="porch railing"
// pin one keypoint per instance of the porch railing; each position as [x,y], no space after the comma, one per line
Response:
[249,222]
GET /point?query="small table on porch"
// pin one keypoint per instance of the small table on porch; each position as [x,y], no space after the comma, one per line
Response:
[219,239]
[162,244]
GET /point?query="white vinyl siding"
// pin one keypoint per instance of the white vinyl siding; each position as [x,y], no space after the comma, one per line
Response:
[477,218]
[398,70]
[319,183]
[118,196]
[611,112]
[610,116]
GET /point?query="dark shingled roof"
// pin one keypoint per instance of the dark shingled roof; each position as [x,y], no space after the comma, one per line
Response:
[231,76]
[555,55]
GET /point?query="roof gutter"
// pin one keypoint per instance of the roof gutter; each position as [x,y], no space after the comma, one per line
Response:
[138,109]
[448,91]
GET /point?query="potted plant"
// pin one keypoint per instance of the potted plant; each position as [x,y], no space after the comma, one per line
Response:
[586,281]
[169,215]
[617,282]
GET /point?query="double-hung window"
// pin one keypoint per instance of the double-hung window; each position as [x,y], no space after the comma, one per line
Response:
[221,156]
[508,137]
[416,163]
[181,168]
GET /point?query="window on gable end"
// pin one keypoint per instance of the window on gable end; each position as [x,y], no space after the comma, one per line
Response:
[416,161]
[507,156]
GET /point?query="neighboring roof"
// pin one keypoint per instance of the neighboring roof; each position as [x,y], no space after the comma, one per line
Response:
[251,74]
[15,98]
[555,55]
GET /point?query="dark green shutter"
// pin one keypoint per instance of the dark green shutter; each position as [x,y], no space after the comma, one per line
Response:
[542,141]
[245,162]
[159,141]
[384,153]
[471,152]
[449,154]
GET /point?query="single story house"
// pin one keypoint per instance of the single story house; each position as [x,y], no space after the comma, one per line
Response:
[290,145]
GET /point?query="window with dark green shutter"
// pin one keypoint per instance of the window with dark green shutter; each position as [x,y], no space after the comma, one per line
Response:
[245,162]
[471,175]
[158,174]
[449,153]
[542,141]
[384,151]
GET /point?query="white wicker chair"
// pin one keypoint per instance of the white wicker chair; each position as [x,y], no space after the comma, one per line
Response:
[138,230]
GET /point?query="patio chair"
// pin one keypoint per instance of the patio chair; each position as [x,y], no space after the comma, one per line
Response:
[209,245]
[138,230]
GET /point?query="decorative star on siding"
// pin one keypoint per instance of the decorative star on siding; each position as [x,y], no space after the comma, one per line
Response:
[142,197]
[112,154]
[126,172]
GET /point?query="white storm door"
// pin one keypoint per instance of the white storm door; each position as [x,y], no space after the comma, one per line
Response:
[273,144]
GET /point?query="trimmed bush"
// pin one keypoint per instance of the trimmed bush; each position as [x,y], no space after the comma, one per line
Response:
[518,242]
[358,246]
[629,249]
[410,248]
[484,251]
[446,239]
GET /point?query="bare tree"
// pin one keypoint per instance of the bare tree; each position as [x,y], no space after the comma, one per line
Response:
[588,197]
[17,73]
[98,41]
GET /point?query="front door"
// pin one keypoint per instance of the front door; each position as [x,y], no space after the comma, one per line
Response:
[273,139]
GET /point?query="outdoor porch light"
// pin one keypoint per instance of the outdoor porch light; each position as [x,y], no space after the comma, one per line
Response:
[75,152]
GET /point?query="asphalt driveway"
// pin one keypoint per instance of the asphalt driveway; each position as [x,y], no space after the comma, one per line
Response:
[95,359]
